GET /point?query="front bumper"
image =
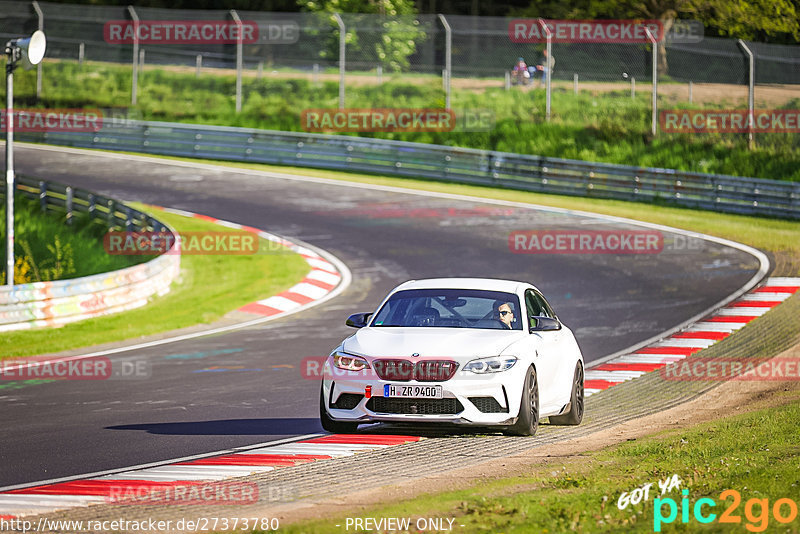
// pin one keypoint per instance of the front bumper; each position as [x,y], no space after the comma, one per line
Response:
[467,399]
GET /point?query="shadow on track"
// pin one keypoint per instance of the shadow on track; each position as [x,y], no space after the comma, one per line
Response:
[242,427]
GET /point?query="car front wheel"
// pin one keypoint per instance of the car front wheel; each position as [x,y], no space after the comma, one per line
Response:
[337,427]
[528,418]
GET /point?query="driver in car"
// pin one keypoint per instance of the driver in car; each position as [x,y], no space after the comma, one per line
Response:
[505,314]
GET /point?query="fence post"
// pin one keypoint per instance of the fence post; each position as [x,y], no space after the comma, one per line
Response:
[342,40]
[654,105]
[315,74]
[448,58]
[135,60]
[141,60]
[575,83]
[549,49]
[81,53]
[379,72]
[239,38]
[633,87]
[198,64]
[508,80]
[690,91]
[750,94]
[40,16]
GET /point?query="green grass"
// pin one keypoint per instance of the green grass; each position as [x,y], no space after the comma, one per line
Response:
[608,127]
[754,453]
[209,287]
[46,249]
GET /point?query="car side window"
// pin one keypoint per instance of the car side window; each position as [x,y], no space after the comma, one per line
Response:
[545,309]
[533,307]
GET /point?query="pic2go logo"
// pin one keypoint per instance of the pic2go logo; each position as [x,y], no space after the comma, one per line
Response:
[756,511]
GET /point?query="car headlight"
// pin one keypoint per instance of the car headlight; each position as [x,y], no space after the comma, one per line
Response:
[349,362]
[493,364]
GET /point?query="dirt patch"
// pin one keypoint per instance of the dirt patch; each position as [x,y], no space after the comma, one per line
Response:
[731,398]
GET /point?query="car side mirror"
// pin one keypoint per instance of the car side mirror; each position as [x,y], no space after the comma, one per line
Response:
[544,324]
[358,320]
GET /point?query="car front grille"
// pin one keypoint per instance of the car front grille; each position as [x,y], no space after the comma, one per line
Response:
[487,405]
[415,406]
[422,371]
[347,401]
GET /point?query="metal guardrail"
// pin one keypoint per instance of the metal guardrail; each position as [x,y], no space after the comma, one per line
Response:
[730,194]
[59,302]
[60,198]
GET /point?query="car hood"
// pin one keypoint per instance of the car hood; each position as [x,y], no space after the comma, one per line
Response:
[396,342]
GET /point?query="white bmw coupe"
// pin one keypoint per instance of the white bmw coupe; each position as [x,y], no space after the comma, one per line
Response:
[468,351]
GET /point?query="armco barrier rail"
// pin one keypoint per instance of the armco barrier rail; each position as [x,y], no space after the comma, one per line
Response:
[56,303]
[722,193]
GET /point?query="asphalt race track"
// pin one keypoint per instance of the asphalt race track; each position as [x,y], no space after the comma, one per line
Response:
[255,391]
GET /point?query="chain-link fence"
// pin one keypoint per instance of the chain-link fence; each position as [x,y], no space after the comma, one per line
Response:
[416,49]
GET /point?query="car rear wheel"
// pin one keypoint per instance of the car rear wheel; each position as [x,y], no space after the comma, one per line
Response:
[575,414]
[528,418]
[337,427]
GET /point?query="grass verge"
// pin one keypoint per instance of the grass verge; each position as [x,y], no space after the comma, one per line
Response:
[755,454]
[45,249]
[209,287]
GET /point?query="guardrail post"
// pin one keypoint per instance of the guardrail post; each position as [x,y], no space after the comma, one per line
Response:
[68,204]
[43,195]
[110,215]
[40,17]
[128,219]
[448,65]
[92,205]
[135,61]
[654,104]
[239,40]
[750,94]
[342,50]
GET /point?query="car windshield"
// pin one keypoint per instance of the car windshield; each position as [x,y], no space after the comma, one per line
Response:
[450,308]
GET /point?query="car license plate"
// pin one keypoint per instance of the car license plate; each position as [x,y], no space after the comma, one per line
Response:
[412,392]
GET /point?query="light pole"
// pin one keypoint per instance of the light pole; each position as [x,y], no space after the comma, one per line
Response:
[28,52]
